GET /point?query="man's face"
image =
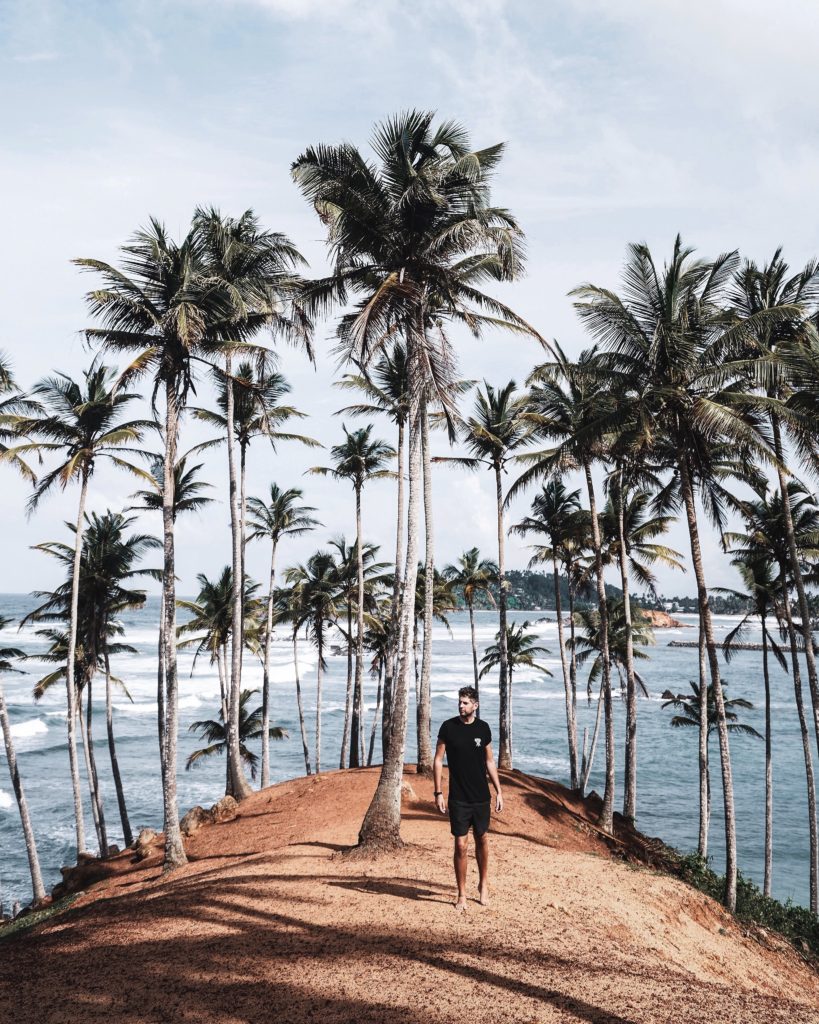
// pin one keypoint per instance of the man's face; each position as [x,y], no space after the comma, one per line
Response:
[467,707]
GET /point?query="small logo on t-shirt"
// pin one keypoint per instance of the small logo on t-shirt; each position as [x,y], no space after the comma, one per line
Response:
[477,741]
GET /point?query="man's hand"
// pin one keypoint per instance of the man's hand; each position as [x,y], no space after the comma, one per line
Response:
[499,802]
[440,803]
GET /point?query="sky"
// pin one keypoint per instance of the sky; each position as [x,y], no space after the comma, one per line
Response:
[622,122]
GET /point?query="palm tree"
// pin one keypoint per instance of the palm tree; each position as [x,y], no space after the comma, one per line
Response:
[161,307]
[314,605]
[500,424]
[760,596]
[415,238]
[670,337]
[37,887]
[689,705]
[433,601]
[359,459]
[473,575]
[279,516]
[254,272]
[574,405]
[555,512]
[83,423]
[250,728]
[385,387]
[520,650]
[187,497]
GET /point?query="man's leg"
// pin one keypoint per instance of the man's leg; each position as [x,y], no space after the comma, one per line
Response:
[482,854]
[459,861]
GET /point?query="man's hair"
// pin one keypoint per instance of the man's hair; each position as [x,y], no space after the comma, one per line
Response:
[470,692]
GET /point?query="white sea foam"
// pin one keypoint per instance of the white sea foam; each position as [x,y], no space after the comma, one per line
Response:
[27,730]
[6,800]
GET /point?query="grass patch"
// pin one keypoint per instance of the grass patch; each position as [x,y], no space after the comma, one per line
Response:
[795,923]
[22,924]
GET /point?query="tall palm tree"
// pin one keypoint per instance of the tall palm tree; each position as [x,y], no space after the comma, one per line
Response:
[520,650]
[160,308]
[385,389]
[766,538]
[7,654]
[500,424]
[671,336]
[359,459]
[414,237]
[187,497]
[254,272]
[758,575]
[473,575]
[81,422]
[315,606]
[250,728]
[575,407]
[555,512]
[280,515]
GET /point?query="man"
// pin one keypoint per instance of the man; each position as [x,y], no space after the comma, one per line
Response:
[467,743]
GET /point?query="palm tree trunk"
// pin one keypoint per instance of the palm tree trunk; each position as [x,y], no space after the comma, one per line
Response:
[174,849]
[37,888]
[242,542]
[505,711]
[356,753]
[573,652]
[806,750]
[318,714]
[470,605]
[630,774]
[705,781]
[91,774]
[221,666]
[239,787]
[348,700]
[375,714]
[299,704]
[607,813]
[424,707]
[127,835]
[713,662]
[587,764]
[268,640]
[160,688]
[381,827]
[766,885]
[571,724]
[389,668]
[70,682]
[796,575]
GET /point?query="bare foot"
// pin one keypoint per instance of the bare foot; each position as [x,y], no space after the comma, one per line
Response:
[483,897]
[460,904]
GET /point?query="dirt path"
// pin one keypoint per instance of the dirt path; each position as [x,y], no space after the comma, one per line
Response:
[270,923]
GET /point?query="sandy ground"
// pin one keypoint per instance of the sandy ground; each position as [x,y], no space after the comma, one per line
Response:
[271,922]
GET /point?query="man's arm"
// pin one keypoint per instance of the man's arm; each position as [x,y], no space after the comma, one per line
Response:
[438,775]
[492,772]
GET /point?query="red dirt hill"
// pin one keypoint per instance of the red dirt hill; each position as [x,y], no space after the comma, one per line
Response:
[270,922]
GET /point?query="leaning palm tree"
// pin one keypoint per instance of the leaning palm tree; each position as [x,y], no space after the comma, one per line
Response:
[385,390]
[758,574]
[520,651]
[254,272]
[359,459]
[414,238]
[7,655]
[473,575]
[280,515]
[160,307]
[82,423]
[250,728]
[670,337]
[499,426]
[555,513]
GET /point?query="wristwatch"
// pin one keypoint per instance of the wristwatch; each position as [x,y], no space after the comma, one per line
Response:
[441,793]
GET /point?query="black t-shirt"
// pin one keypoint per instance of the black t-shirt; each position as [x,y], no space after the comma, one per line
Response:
[466,758]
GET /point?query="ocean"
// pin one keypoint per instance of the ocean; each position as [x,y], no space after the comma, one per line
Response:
[667,757]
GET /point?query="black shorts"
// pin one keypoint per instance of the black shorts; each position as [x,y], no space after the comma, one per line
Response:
[462,817]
